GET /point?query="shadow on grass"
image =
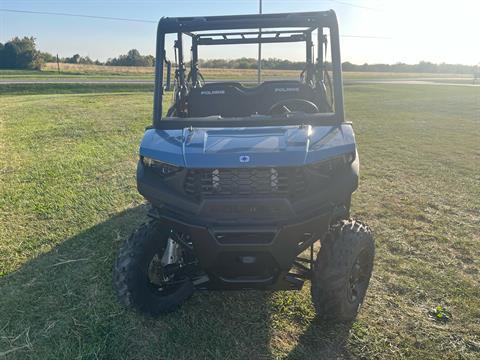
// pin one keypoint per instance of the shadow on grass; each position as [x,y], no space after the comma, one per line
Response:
[62,305]
[322,341]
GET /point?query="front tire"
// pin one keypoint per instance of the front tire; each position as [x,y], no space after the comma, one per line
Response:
[135,285]
[342,271]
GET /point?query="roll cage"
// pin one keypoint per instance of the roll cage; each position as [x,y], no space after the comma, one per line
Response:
[217,30]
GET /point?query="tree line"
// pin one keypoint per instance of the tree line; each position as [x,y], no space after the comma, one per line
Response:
[131,58]
[282,64]
[22,53]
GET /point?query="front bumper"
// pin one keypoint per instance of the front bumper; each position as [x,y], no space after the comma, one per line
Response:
[238,257]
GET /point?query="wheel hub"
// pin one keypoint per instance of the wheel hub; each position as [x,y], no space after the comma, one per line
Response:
[358,276]
[155,271]
[162,269]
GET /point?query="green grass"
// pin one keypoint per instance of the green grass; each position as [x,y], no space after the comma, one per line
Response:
[68,200]
[66,88]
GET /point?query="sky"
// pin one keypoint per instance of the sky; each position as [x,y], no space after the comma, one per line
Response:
[406,31]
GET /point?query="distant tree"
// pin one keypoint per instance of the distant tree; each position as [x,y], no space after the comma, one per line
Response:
[47,57]
[132,58]
[20,53]
[426,67]
[150,60]
[85,60]
[77,59]
[72,60]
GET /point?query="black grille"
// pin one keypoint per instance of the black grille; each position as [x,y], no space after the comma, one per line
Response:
[246,182]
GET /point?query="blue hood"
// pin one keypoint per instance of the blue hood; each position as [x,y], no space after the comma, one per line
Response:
[248,147]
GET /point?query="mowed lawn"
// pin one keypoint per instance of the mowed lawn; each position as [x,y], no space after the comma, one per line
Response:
[68,200]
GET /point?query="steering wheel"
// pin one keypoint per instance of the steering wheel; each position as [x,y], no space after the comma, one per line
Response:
[293,105]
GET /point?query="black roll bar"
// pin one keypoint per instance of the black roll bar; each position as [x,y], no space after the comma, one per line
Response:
[251,40]
[308,20]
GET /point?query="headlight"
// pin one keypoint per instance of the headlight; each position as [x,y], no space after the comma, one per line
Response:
[160,167]
[328,167]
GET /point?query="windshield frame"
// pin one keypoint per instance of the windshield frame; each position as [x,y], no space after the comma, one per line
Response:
[303,21]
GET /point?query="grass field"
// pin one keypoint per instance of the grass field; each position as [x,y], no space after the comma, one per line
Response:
[68,200]
[101,72]
[132,72]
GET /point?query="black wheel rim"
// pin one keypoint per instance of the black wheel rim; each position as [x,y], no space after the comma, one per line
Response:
[359,276]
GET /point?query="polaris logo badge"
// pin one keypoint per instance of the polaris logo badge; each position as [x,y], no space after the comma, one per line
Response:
[212,92]
[289,89]
[244,159]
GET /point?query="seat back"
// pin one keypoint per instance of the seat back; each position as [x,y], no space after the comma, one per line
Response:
[232,99]
[270,93]
[224,99]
